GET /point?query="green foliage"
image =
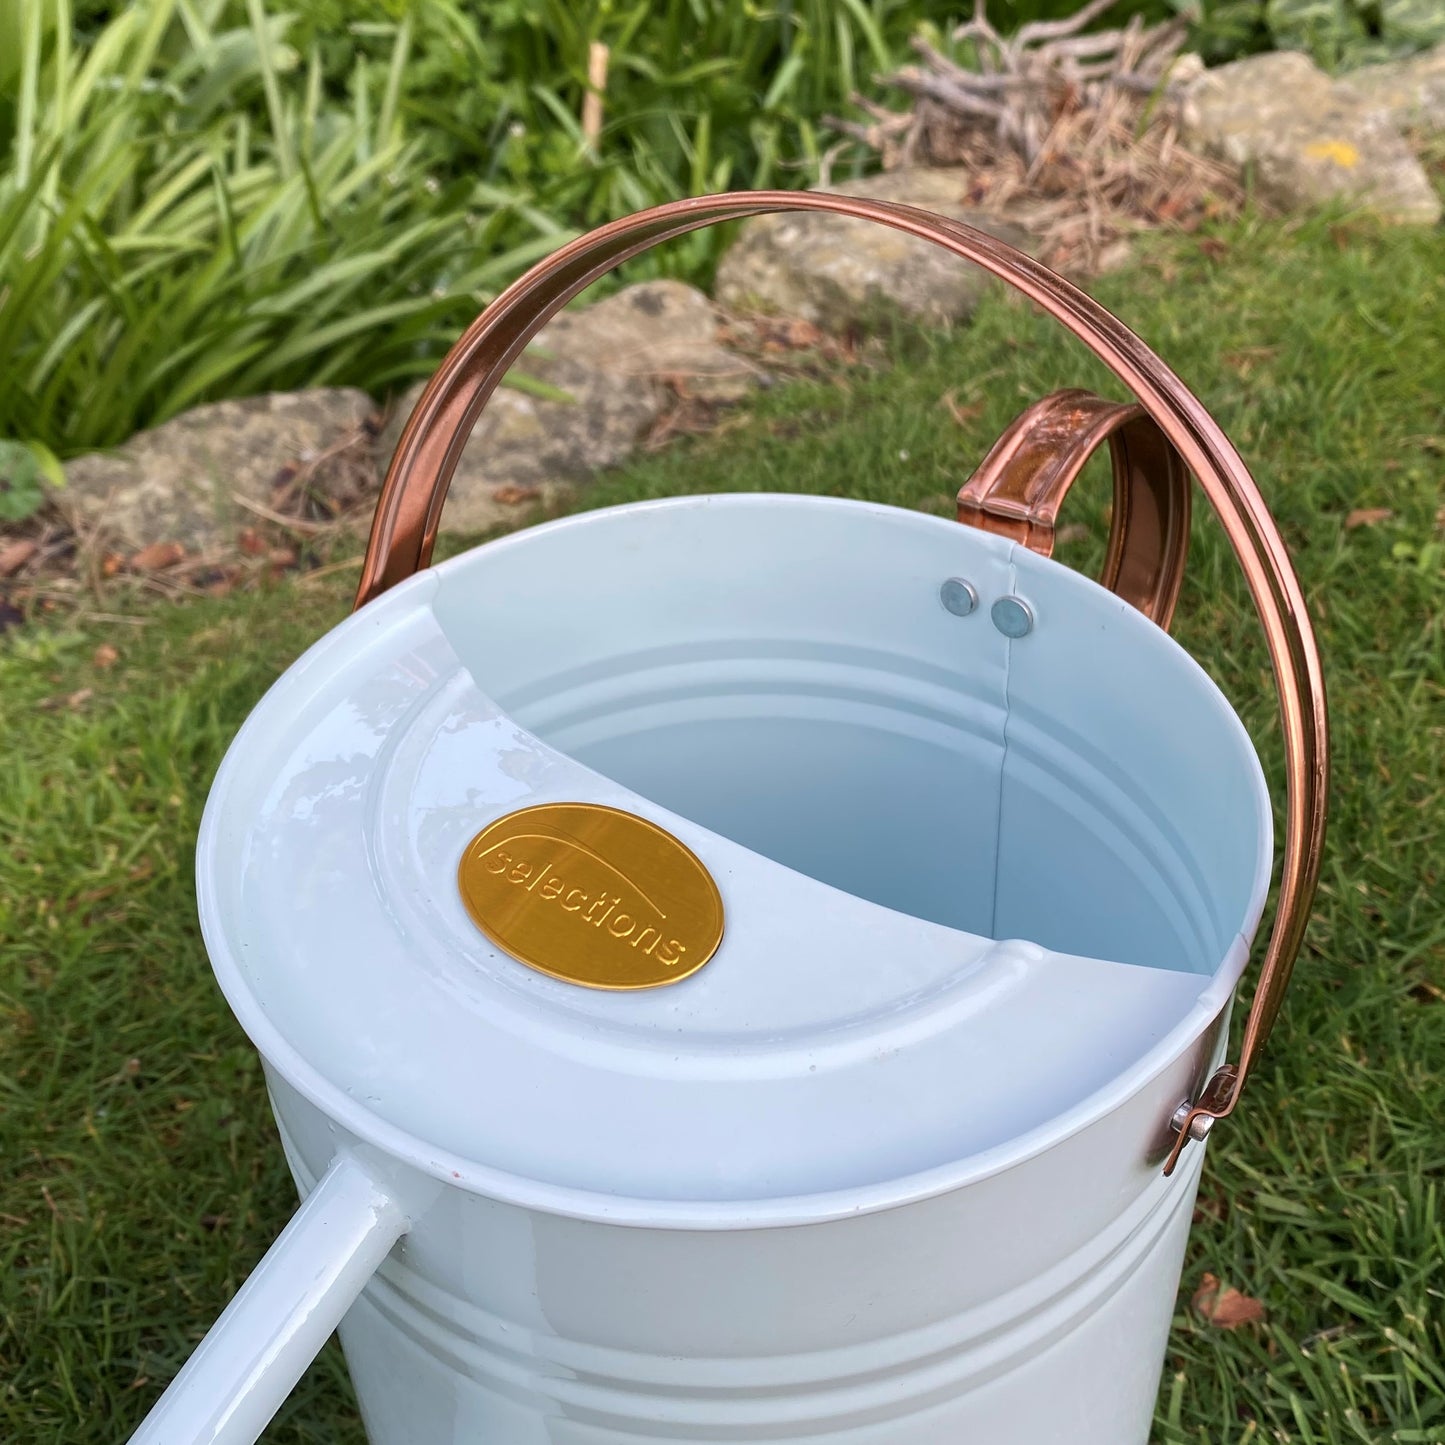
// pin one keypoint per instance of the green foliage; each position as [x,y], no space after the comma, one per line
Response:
[204,198]
[159,245]
[25,468]
[1337,34]
[700,95]
[1345,33]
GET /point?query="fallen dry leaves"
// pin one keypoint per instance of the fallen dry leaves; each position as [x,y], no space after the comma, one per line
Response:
[801,335]
[68,702]
[142,871]
[156,557]
[1226,1309]
[793,345]
[511,494]
[105,656]
[963,414]
[1247,359]
[1367,517]
[14,555]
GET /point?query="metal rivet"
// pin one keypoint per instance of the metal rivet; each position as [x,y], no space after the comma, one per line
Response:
[1013,616]
[959,596]
[1199,1129]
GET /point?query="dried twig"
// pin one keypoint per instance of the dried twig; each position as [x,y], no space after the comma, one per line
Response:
[316,573]
[291,524]
[1043,30]
[1073,132]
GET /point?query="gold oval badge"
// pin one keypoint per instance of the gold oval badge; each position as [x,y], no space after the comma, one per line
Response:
[592,895]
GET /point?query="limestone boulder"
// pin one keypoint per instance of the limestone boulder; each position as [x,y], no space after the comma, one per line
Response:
[611,370]
[1411,92]
[1307,139]
[837,272]
[187,480]
[657,331]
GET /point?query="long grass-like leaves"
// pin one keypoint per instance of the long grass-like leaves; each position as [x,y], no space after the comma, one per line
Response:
[157,248]
[200,197]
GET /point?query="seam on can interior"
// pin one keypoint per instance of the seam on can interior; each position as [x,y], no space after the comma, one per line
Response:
[1008,653]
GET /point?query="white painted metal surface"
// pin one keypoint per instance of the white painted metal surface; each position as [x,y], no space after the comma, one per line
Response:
[887,1168]
[283,1314]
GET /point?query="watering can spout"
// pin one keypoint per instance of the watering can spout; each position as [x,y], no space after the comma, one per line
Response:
[253,1355]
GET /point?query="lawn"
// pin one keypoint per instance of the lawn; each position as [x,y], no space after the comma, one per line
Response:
[143,1177]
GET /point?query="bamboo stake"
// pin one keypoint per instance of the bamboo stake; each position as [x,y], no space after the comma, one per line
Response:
[597,58]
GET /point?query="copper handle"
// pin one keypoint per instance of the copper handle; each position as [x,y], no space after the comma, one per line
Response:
[405,527]
[1021,484]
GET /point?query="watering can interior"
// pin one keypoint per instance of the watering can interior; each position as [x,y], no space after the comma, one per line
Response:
[941,850]
[784,672]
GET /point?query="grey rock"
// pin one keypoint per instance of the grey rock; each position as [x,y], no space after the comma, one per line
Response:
[523,446]
[1308,139]
[612,360]
[659,330]
[1410,92]
[838,272]
[179,481]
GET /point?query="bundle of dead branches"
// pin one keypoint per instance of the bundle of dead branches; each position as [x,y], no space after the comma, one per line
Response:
[1075,135]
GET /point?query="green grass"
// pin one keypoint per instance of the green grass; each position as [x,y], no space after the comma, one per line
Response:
[143,1179]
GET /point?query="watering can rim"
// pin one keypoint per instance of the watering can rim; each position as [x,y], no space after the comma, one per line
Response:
[410,1147]
[1177,437]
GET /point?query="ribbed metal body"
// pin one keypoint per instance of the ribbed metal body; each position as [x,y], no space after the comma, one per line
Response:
[1029,1308]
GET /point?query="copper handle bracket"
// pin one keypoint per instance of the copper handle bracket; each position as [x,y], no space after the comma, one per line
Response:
[408,511]
[1021,484]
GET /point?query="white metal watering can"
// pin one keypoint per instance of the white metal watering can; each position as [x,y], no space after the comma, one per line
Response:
[749,968]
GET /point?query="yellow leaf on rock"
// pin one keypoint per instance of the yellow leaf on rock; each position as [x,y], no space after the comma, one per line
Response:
[1341,152]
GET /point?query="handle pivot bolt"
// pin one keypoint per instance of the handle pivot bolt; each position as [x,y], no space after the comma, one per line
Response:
[1013,616]
[959,596]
